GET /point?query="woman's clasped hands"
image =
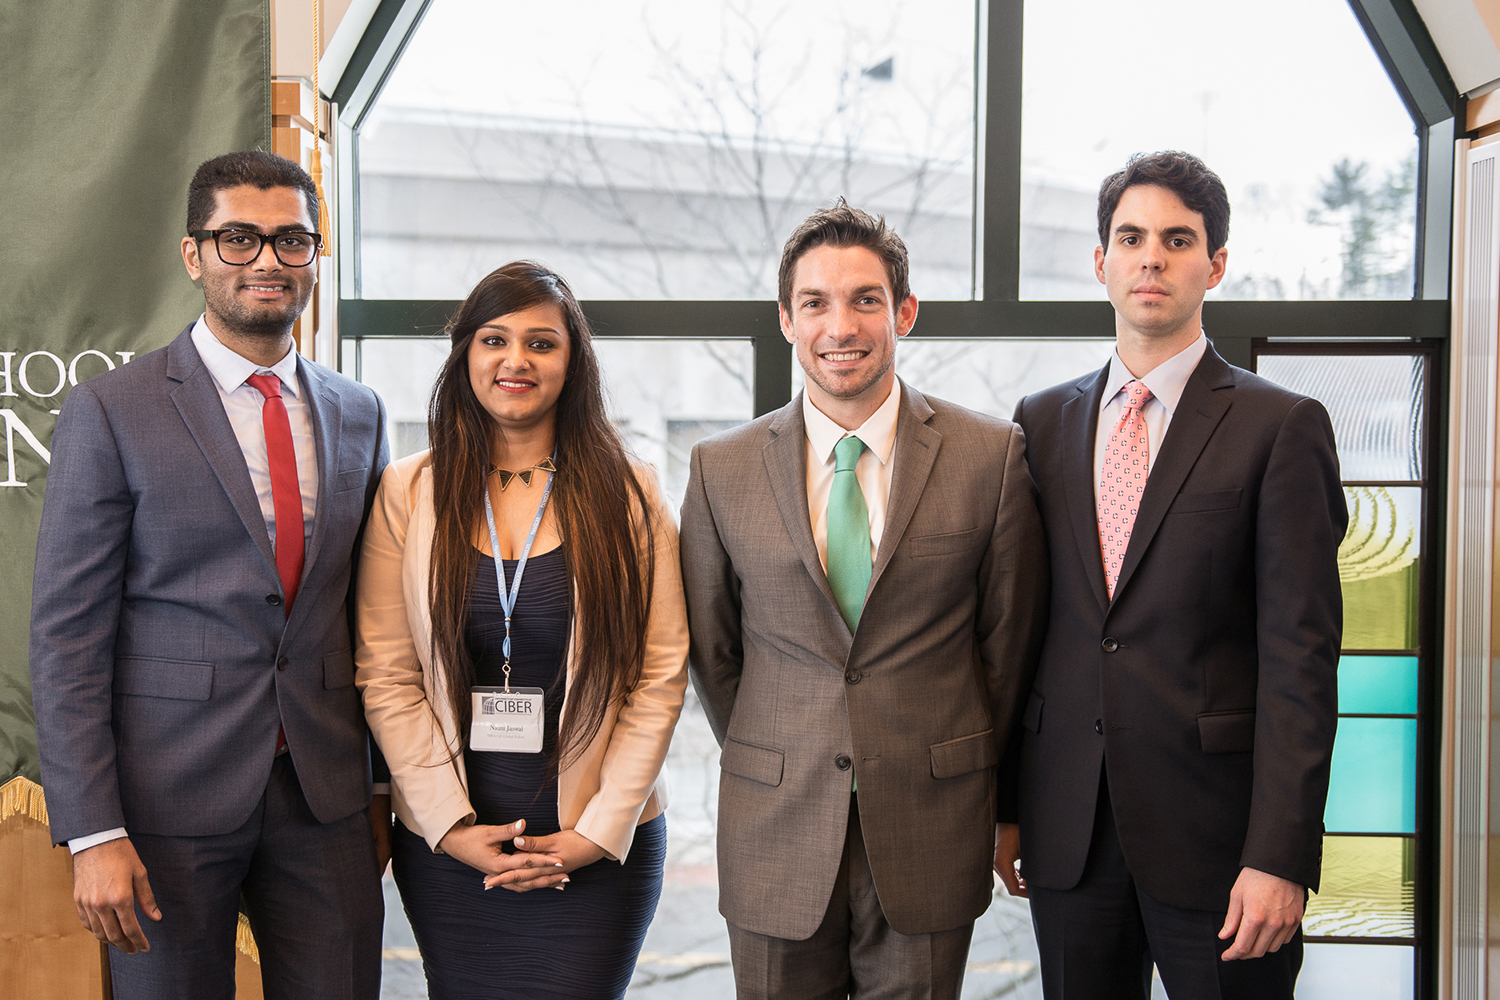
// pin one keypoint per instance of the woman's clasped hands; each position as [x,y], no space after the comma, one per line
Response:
[539,862]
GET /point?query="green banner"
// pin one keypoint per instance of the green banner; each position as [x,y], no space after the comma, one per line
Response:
[108,107]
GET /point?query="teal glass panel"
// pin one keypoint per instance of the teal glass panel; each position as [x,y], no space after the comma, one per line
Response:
[1373,787]
[1378,685]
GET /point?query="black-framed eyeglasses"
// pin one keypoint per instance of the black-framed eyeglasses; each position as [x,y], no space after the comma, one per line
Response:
[241,246]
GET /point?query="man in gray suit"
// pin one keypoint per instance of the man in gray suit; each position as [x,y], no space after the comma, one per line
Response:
[866,581]
[201,737]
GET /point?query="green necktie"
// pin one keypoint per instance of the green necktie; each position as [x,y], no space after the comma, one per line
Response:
[849,559]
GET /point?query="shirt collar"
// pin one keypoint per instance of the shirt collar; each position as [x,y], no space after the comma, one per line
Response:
[878,432]
[230,370]
[1166,381]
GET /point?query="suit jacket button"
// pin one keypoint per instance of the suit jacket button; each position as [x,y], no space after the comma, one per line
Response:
[274,600]
[1099,726]
[1110,644]
[281,664]
[842,762]
[852,676]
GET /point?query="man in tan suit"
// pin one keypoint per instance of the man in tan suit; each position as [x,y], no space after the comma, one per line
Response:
[866,580]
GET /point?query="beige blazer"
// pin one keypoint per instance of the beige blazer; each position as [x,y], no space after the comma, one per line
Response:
[617,783]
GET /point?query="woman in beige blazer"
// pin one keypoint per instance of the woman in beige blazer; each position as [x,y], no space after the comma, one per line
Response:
[563,789]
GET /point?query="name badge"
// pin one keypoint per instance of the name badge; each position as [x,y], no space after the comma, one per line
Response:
[507,721]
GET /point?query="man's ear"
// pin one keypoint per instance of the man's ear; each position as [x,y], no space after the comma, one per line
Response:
[906,316]
[1099,264]
[1217,265]
[190,259]
[786,323]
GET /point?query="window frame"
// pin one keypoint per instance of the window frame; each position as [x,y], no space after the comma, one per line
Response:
[1239,329]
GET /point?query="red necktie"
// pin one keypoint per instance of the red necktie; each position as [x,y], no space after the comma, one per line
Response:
[286,493]
[1127,463]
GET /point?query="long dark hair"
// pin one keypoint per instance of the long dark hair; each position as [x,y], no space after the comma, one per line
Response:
[603,514]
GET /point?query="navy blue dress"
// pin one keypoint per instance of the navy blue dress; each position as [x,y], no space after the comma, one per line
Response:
[580,943]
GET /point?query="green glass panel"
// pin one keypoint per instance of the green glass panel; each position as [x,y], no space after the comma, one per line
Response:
[1368,889]
[1378,564]
[1373,787]
[1378,685]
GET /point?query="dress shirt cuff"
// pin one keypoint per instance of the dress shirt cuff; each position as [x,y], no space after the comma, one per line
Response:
[380,788]
[95,839]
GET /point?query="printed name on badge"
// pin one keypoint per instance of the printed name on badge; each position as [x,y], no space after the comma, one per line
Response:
[507,721]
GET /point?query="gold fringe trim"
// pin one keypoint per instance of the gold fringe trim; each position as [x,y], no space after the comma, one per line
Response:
[20,796]
[245,941]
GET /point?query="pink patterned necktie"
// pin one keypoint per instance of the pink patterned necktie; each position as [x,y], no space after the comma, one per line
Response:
[1127,462]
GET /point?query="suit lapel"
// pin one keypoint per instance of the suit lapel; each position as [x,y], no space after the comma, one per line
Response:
[916,449]
[197,401]
[1198,412]
[1080,431]
[786,468]
[323,403]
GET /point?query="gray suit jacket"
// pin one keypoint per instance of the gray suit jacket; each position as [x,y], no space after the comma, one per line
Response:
[162,660]
[920,700]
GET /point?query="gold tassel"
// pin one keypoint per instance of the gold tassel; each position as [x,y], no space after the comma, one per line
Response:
[324,224]
[21,796]
[245,941]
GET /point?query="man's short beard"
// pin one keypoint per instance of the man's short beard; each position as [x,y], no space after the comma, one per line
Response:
[846,394]
[259,324]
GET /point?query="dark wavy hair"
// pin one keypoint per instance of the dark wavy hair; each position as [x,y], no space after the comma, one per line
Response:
[1184,175]
[249,168]
[603,513]
[842,226]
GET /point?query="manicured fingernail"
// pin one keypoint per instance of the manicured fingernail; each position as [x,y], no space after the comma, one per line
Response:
[520,841]
[566,880]
[558,865]
[488,887]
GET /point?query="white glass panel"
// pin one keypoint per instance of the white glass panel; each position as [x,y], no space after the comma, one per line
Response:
[1321,182]
[1375,402]
[991,376]
[1357,972]
[665,149]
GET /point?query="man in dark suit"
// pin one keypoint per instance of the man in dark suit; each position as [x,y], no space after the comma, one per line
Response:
[201,737]
[1176,744]
[865,580]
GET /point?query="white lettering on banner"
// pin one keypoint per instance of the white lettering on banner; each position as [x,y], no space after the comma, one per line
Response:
[73,368]
[14,426]
[62,374]
[23,374]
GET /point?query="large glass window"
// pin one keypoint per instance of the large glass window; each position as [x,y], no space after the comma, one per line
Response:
[1324,202]
[661,151]
[664,149]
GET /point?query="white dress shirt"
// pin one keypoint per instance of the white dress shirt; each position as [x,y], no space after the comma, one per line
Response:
[1166,382]
[873,470]
[242,404]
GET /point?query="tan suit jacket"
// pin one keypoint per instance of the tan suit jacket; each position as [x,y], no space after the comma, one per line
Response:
[617,783]
[918,703]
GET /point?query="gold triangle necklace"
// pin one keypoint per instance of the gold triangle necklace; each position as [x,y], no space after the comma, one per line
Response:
[524,475]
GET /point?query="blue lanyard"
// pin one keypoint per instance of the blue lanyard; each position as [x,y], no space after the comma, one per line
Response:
[508,601]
